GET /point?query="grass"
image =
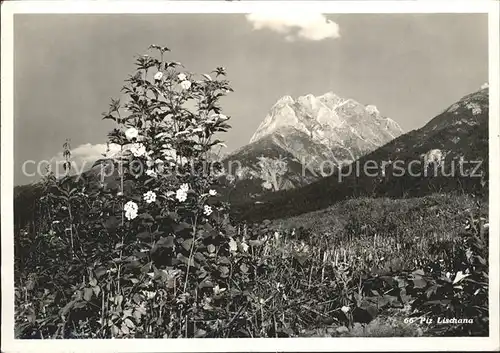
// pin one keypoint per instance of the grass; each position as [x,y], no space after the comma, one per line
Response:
[302,270]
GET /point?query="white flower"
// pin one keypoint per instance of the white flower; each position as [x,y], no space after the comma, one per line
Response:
[150,163]
[267,185]
[170,154]
[212,192]
[138,149]
[181,194]
[276,235]
[158,161]
[132,133]
[158,76]
[218,290]
[222,117]
[131,205]
[131,210]
[345,309]
[448,275]
[244,246]
[211,248]
[181,77]
[149,295]
[186,84]
[233,246]
[151,173]
[459,276]
[207,210]
[149,197]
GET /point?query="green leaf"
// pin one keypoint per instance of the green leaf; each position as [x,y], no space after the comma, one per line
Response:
[419,283]
[389,280]
[146,217]
[137,298]
[200,333]
[129,323]
[206,283]
[438,302]
[418,273]
[146,268]
[67,308]
[185,260]
[224,260]
[118,300]
[97,290]
[430,291]
[199,256]
[125,329]
[127,313]
[31,318]
[244,268]
[87,293]
[144,235]
[100,271]
[186,244]
[224,271]
[481,260]
[181,227]
[165,242]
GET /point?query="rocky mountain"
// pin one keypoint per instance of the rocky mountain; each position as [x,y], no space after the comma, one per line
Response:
[454,144]
[314,135]
[331,121]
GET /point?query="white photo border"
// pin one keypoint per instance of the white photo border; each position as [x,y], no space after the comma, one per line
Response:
[10,344]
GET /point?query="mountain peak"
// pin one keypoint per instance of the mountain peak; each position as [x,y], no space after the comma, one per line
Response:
[330,120]
[285,100]
[372,109]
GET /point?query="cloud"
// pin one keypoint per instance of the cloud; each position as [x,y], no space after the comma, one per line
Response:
[308,26]
[83,157]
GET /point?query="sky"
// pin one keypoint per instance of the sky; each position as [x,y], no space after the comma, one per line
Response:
[68,67]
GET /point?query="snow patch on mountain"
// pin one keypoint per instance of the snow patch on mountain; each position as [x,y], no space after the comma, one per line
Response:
[330,120]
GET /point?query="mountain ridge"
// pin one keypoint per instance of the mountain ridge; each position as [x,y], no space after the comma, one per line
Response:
[459,134]
[319,132]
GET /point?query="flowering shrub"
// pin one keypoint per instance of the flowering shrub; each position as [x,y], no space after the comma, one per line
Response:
[156,232]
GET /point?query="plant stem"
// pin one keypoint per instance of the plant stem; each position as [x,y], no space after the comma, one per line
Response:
[191,252]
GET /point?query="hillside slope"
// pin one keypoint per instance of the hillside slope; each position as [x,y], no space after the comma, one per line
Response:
[460,133]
